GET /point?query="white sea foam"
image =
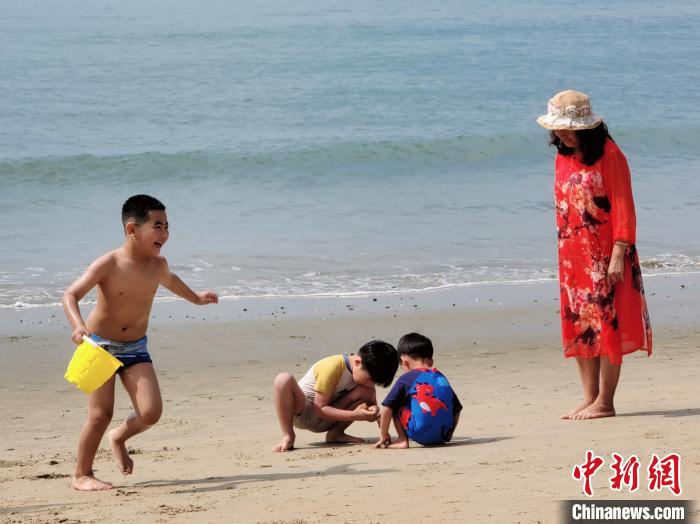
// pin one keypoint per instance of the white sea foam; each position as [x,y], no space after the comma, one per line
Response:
[354,287]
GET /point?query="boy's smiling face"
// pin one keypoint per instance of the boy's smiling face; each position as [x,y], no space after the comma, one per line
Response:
[153,234]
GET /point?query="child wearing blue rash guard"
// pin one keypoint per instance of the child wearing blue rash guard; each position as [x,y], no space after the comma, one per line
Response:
[421,403]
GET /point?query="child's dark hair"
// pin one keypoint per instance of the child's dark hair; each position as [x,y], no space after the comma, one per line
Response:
[415,345]
[591,143]
[137,207]
[380,360]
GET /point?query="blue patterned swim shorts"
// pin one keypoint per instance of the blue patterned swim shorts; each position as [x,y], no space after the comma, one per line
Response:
[128,353]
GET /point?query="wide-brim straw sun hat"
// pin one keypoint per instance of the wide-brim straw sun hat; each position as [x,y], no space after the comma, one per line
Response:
[569,110]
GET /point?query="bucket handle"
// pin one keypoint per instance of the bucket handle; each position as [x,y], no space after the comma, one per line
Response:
[91,342]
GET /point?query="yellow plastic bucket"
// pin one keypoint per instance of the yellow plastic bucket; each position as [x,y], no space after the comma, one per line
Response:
[91,366]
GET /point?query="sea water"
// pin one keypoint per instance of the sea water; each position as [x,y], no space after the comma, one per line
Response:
[332,148]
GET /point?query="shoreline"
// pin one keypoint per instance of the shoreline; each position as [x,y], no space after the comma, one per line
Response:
[490,296]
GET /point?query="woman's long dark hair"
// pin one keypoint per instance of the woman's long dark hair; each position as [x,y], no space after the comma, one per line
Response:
[591,143]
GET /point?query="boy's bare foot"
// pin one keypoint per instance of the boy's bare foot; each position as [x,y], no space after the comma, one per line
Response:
[399,444]
[570,415]
[89,483]
[341,437]
[286,444]
[121,456]
[595,410]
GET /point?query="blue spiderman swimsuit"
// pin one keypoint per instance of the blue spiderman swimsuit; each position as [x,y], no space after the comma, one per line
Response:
[425,404]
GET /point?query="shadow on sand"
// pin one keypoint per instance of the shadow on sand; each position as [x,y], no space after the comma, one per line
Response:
[37,508]
[689,412]
[224,483]
[468,441]
[457,441]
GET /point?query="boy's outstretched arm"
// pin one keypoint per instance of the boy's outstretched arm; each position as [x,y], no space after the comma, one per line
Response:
[385,417]
[175,284]
[78,289]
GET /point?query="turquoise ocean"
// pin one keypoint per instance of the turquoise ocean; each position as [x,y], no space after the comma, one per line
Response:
[332,148]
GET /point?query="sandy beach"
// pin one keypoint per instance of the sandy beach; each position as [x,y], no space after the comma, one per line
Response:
[209,459]
[337,173]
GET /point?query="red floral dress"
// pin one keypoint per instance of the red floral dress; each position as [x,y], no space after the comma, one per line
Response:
[594,208]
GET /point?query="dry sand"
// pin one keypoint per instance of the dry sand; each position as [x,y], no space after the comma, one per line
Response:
[209,459]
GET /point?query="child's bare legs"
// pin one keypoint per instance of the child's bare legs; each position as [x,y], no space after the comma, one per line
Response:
[100,409]
[288,399]
[402,441]
[142,385]
[589,372]
[603,405]
[358,395]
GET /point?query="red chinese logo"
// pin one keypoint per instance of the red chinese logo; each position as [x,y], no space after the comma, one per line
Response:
[665,473]
[661,473]
[626,474]
[586,470]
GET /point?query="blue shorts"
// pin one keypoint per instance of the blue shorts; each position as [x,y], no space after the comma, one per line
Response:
[128,353]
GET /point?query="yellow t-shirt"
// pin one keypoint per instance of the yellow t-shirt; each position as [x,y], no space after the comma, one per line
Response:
[328,376]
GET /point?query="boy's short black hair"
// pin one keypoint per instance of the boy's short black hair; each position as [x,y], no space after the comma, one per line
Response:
[415,345]
[380,360]
[137,207]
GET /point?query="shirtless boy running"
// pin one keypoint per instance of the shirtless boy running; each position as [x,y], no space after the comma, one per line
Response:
[127,280]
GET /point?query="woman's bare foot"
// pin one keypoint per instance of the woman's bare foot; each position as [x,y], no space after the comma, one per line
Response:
[595,410]
[89,483]
[121,455]
[571,414]
[341,437]
[286,444]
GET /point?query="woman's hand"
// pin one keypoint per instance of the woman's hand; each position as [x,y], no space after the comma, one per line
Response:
[616,267]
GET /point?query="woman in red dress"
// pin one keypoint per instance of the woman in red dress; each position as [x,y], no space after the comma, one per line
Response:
[603,311]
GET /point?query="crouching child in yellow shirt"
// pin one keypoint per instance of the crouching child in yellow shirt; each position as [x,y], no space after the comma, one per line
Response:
[335,392]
